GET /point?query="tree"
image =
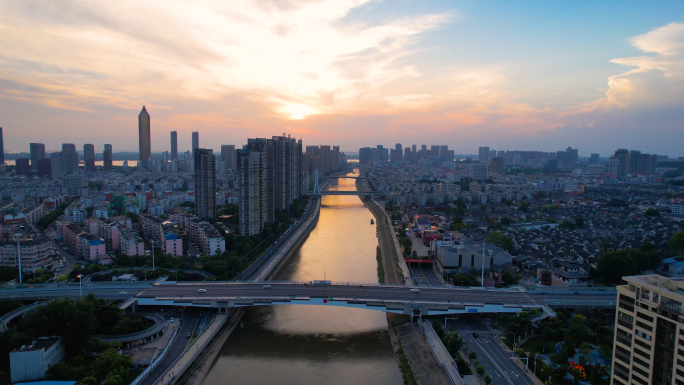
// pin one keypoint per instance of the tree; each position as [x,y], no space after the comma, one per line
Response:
[480,370]
[524,206]
[497,238]
[472,355]
[506,221]
[488,379]
[566,224]
[579,222]
[677,241]
[652,213]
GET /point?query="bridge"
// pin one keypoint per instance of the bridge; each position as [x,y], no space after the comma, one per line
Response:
[387,298]
[344,193]
[347,177]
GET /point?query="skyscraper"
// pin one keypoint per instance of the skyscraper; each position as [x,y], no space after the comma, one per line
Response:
[174,145]
[286,162]
[107,158]
[205,183]
[2,148]
[89,157]
[37,153]
[483,154]
[270,179]
[646,347]
[144,139]
[253,174]
[195,140]
[229,156]
[56,165]
[69,158]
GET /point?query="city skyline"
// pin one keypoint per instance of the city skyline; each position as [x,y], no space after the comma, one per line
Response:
[545,76]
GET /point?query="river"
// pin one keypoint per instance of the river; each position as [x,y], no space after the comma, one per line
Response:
[295,344]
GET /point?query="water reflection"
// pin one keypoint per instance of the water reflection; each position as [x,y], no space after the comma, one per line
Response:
[294,344]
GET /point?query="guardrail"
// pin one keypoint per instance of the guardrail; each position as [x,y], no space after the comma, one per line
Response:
[159,323]
[455,378]
[198,349]
[5,319]
[156,360]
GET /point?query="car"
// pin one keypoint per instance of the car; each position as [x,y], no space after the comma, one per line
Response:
[415,290]
[202,291]
[188,335]
[123,292]
[171,320]
[267,286]
[475,335]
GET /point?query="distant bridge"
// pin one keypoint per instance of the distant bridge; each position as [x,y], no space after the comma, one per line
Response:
[345,193]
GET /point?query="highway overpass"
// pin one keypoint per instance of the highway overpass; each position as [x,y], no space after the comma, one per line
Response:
[388,298]
[345,193]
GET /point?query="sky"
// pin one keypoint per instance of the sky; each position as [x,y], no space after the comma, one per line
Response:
[511,75]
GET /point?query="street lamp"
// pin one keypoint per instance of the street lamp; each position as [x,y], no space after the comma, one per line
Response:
[80,284]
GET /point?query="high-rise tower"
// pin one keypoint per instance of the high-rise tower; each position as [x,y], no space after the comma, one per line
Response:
[229,156]
[37,153]
[89,157]
[195,140]
[174,145]
[2,148]
[107,158]
[205,183]
[69,158]
[144,136]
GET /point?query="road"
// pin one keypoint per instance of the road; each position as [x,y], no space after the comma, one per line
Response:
[496,361]
[356,291]
[190,318]
[425,276]
[268,254]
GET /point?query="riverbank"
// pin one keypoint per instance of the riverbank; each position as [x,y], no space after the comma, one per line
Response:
[417,364]
[197,371]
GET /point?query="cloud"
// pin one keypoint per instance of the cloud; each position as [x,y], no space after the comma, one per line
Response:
[654,79]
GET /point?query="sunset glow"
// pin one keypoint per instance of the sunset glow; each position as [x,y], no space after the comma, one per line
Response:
[345,70]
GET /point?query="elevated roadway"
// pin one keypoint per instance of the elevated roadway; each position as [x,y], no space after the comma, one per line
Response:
[388,298]
[374,193]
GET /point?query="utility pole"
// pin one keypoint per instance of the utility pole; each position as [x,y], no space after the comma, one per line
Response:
[483,257]
[153,255]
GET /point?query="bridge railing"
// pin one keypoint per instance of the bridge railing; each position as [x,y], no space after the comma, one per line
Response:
[159,324]
[333,283]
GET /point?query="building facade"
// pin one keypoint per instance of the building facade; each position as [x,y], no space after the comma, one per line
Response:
[37,153]
[205,183]
[174,145]
[648,348]
[89,157]
[144,140]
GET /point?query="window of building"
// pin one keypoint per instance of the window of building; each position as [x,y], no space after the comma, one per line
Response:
[671,304]
[646,294]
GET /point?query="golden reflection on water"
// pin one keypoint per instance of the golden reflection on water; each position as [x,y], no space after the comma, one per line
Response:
[317,344]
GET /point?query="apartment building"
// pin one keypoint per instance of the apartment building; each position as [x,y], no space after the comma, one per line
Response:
[649,332]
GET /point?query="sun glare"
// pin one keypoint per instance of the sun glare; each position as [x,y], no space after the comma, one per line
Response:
[297,111]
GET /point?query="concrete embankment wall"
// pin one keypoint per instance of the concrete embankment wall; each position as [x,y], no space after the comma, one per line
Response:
[300,239]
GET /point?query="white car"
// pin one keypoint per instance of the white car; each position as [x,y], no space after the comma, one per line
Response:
[267,286]
[171,320]
[202,291]
[415,290]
